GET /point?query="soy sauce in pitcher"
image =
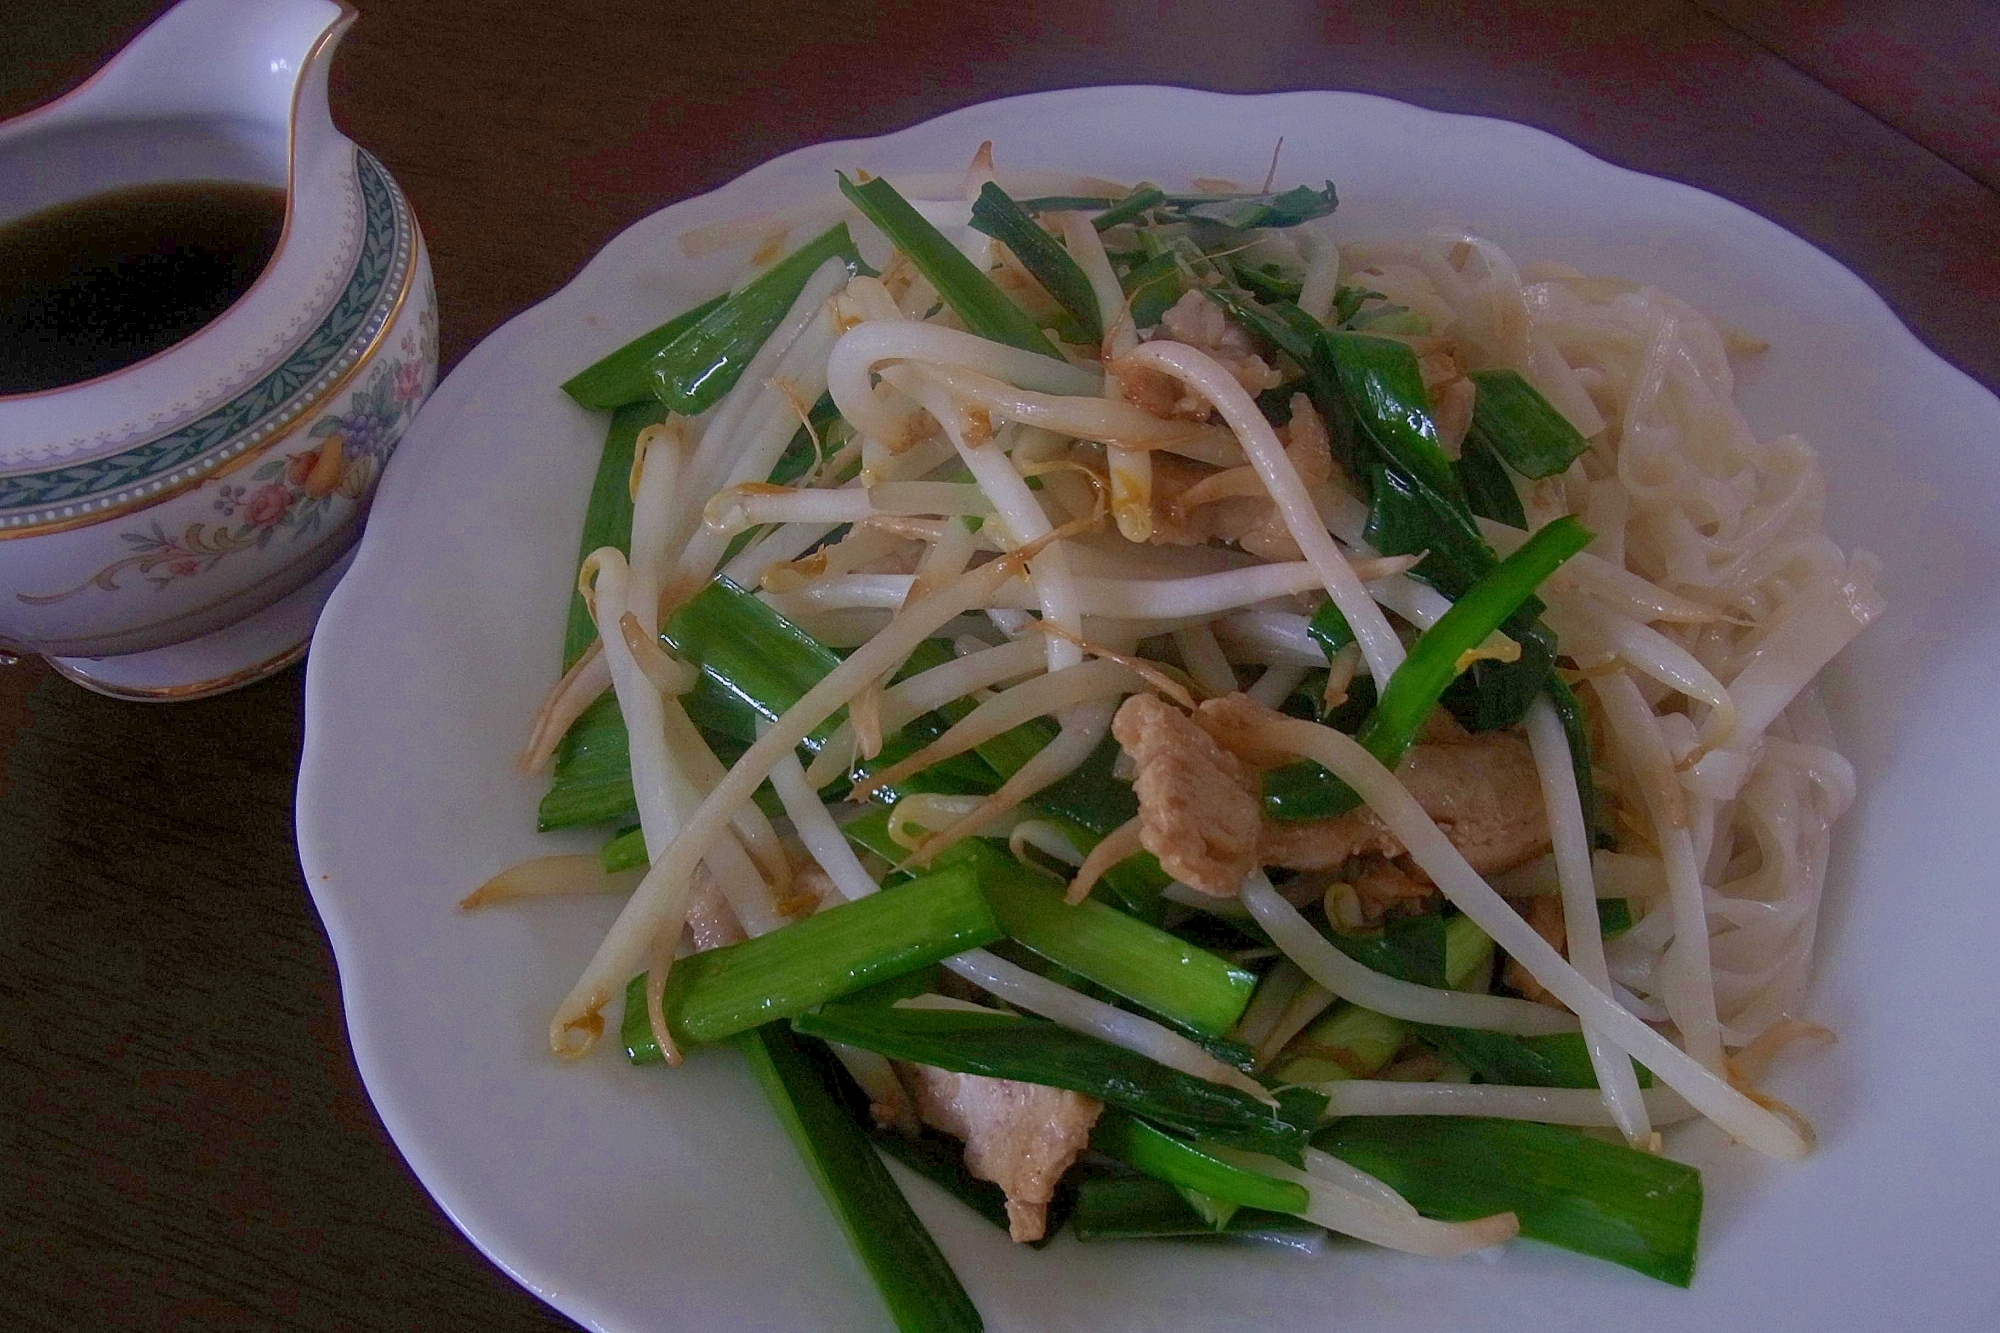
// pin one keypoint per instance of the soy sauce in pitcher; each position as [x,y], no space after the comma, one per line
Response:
[89,287]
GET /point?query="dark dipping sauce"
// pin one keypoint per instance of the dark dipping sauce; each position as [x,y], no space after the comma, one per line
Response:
[89,287]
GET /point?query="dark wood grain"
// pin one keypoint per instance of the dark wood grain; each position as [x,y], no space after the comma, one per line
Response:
[183,1140]
[1925,68]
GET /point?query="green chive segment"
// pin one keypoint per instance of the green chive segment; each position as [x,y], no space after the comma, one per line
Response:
[718,993]
[986,309]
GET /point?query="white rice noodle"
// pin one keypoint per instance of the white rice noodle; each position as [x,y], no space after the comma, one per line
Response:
[1592,634]
[1063,1006]
[1363,985]
[1201,373]
[1709,1093]
[1501,1101]
[662,896]
[1615,1075]
[1808,633]
[1617,587]
[1690,993]
[1370,1217]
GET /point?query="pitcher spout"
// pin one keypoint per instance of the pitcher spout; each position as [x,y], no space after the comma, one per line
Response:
[241,60]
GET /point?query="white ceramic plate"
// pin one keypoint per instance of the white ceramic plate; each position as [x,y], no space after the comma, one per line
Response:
[647,1200]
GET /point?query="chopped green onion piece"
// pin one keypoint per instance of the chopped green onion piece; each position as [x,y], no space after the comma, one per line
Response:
[1487,487]
[917,1284]
[627,851]
[1329,628]
[1302,203]
[754,656]
[1299,204]
[1434,662]
[1557,1060]
[1004,1046]
[608,519]
[1568,1189]
[592,782]
[716,994]
[1131,206]
[986,309]
[1140,1207]
[1352,1042]
[1411,950]
[1161,1155]
[1407,517]
[1614,916]
[1521,426]
[1307,791]
[697,368]
[626,375]
[1346,1042]
[1042,255]
[1189,986]
[1496,695]
[1152,288]
[1347,302]
[1381,380]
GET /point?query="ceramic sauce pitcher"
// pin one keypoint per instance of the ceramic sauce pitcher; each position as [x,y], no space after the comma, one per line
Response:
[170,529]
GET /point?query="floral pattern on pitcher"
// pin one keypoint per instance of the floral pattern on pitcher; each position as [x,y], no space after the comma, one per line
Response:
[294,494]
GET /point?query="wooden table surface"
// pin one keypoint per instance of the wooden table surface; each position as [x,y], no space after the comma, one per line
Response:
[184,1142]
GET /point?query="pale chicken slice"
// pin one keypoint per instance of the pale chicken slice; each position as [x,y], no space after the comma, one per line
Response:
[1482,791]
[1020,1136]
[1198,806]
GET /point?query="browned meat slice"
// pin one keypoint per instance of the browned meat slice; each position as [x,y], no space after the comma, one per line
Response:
[1198,810]
[1482,791]
[1200,322]
[1385,889]
[1174,524]
[1250,521]
[1020,1136]
[1545,913]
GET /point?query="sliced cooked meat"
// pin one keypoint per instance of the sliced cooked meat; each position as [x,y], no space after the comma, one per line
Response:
[1545,913]
[1482,791]
[1020,1136]
[1250,521]
[1198,809]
